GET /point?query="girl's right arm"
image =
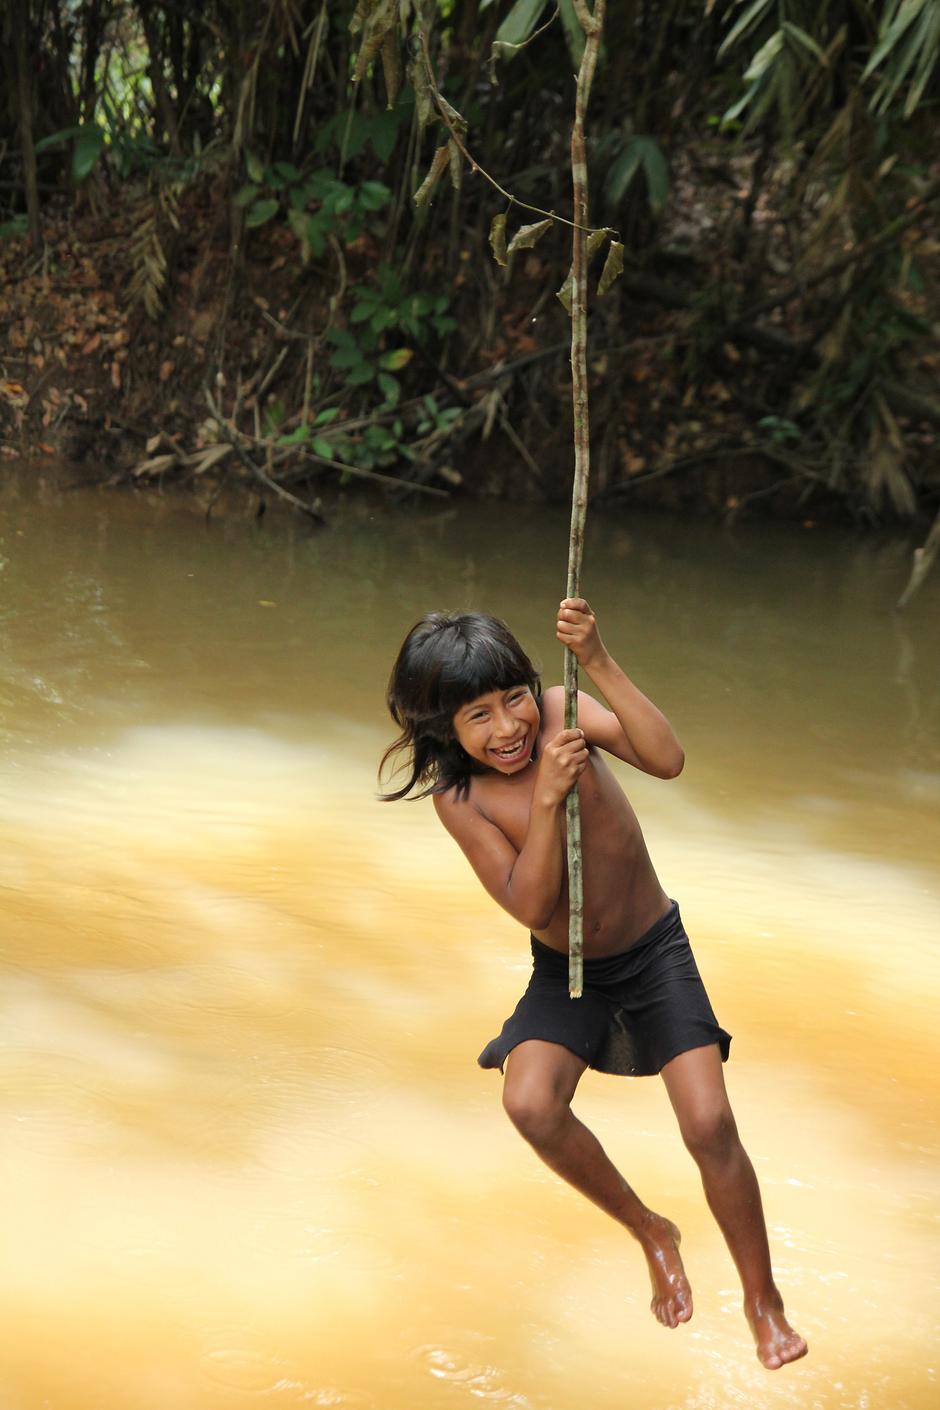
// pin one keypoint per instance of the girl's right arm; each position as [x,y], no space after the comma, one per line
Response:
[528,883]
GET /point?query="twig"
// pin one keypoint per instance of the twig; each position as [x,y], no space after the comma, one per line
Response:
[256,470]
[522,448]
[923,560]
[374,475]
[442,108]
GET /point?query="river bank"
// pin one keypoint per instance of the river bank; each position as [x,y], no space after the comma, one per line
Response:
[246,378]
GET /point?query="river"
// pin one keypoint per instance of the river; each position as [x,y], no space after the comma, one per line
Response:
[247,1155]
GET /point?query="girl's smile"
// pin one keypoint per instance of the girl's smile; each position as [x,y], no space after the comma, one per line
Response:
[499,729]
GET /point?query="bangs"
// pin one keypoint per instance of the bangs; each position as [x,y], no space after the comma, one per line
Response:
[480,667]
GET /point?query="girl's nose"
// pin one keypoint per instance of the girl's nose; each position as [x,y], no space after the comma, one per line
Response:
[504,724]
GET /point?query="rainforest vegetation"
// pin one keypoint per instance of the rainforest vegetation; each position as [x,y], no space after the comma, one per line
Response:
[271,243]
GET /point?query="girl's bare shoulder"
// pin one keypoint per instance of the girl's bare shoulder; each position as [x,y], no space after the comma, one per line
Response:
[552,706]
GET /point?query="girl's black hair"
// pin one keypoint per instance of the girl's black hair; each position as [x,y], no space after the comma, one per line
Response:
[447,660]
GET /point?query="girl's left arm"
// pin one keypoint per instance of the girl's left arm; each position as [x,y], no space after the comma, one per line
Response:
[633,729]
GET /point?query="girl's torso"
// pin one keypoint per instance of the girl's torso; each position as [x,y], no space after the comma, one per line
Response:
[622,893]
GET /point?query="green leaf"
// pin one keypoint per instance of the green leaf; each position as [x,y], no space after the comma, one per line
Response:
[764,57]
[520,22]
[622,172]
[750,16]
[390,284]
[341,338]
[657,174]
[574,34]
[89,145]
[395,360]
[645,153]
[892,30]
[58,139]
[373,195]
[261,212]
[245,195]
[390,388]
[324,417]
[361,312]
[295,437]
[323,447]
[254,167]
[19,225]
[315,235]
[806,40]
[360,375]
[286,172]
[384,134]
[348,358]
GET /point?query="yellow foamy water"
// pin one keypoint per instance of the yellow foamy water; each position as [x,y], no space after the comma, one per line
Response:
[247,1155]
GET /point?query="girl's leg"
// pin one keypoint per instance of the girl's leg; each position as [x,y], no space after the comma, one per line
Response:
[540,1082]
[696,1086]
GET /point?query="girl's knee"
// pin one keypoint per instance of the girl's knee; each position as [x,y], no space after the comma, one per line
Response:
[535,1109]
[709,1132]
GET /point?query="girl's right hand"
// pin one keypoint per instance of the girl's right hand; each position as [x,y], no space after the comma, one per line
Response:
[563,761]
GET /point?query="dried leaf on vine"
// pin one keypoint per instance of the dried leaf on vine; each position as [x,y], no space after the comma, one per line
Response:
[391,67]
[380,23]
[439,163]
[455,158]
[451,115]
[528,235]
[565,294]
[424,102]
[595,240]
[361,14]
[498,238]
[613,267]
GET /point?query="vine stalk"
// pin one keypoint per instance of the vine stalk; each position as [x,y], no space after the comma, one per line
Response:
[592,22]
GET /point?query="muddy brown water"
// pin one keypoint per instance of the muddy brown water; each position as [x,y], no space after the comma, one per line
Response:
[247,1157]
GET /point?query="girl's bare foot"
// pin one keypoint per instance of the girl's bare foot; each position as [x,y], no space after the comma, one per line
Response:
[672,1296]
[777,1342]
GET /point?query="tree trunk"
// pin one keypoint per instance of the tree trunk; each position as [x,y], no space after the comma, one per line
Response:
[17,35]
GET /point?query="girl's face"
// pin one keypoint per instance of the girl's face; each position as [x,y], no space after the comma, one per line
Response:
[500,729]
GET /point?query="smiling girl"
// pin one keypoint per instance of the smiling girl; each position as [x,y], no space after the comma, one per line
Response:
[478,734]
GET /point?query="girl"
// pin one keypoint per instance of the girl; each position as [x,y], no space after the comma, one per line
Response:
[478,734]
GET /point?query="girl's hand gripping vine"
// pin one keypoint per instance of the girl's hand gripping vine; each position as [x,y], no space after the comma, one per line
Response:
[563,761]
[576,628]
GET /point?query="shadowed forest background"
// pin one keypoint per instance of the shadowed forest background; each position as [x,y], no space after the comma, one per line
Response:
[213,268]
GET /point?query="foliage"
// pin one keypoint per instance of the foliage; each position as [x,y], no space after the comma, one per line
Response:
[769,166]
[319,206]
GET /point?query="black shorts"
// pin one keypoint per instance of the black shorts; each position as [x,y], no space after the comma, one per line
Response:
[639,1008]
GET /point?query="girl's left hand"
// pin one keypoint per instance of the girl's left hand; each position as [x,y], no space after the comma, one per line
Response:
[577,628]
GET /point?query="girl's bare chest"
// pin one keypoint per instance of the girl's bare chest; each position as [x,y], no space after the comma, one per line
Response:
[604,808]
